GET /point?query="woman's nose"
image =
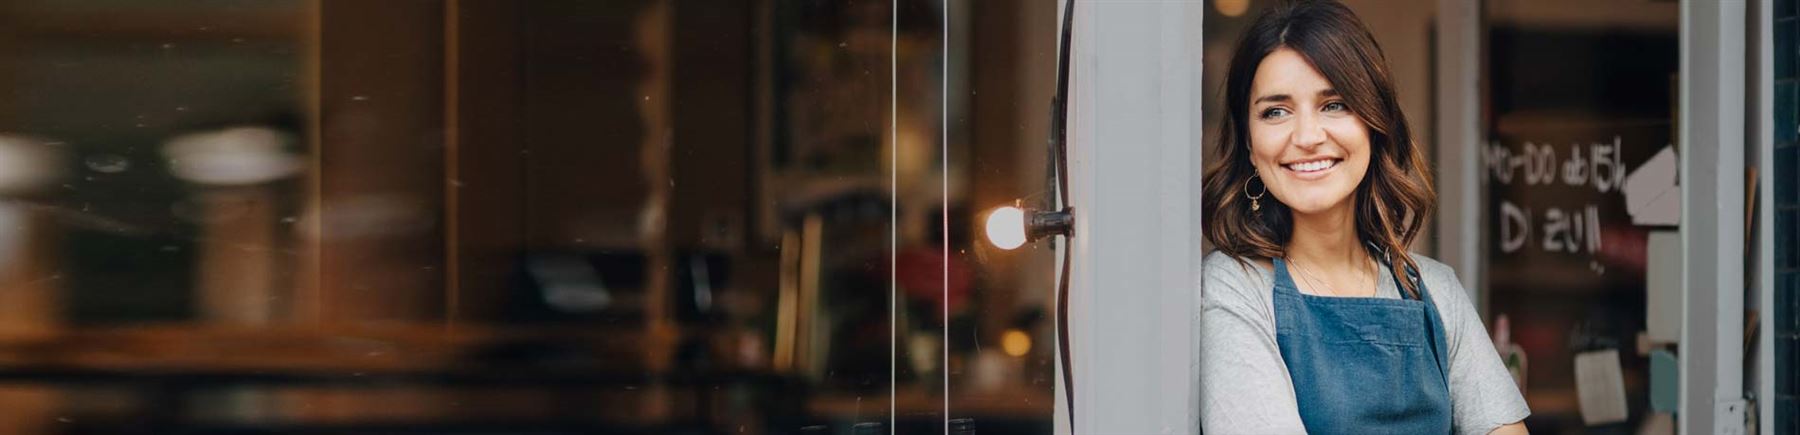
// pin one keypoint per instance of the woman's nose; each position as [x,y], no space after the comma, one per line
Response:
[1308,132]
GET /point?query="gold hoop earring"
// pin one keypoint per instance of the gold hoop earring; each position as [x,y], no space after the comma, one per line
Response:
[1255,200]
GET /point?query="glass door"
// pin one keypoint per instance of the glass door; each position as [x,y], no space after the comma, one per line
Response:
[1582,209]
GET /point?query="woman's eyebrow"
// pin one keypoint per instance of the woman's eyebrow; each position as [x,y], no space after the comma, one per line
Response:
[1277,98]
[1282,98]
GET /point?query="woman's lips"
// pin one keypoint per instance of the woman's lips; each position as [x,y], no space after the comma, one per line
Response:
[1312,169]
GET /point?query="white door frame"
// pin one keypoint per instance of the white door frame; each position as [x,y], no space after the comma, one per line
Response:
[1459,143]
[1135,164]
[1712,149]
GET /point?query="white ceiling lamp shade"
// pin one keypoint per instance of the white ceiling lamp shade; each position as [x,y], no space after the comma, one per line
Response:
[237,156]
[28,164]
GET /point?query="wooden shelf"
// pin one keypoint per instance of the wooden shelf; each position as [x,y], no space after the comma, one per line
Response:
[1007,402]
[377,350]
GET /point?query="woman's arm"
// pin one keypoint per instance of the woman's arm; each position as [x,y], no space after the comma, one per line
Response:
[1511,429]
[1244,386]
[1483,396]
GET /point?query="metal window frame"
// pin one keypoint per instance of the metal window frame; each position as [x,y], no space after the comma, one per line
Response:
[1761,124]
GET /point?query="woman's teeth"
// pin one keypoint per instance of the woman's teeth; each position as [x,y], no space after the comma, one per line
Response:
[1313,166]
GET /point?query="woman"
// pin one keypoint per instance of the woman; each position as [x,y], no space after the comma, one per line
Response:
[1314,316]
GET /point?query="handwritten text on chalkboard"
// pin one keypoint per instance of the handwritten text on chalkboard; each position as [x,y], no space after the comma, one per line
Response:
[1600,166]
[1554,229]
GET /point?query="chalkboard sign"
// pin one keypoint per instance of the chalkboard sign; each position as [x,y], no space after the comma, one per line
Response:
[1574,115]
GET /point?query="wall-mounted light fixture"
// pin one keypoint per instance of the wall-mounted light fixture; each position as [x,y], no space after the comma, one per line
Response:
[1011,226]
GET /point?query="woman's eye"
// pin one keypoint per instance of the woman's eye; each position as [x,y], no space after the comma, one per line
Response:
[1336,106]
[1272,113]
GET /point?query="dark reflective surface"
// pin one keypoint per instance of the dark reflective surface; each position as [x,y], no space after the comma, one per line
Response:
[481,216]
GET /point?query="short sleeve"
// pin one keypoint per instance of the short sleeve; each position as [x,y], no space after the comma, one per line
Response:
[1483,396]
[1244,386]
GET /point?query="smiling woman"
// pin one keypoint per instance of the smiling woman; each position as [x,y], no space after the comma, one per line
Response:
[1303,133]
[1312,120]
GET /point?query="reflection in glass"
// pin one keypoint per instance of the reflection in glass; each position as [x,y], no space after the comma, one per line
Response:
[1572,235]
[556,216]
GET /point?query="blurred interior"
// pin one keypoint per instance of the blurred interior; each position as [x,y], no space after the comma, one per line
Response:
[641,216]
[1622,98]
[554,216]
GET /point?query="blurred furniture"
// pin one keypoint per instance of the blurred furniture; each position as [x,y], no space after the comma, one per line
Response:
[528,380]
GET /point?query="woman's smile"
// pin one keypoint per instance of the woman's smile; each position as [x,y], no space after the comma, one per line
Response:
[1312,168]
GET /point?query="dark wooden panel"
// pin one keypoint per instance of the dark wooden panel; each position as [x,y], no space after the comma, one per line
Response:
[486,183]
[381,174]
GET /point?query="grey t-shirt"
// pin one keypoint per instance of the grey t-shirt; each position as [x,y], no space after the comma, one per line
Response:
[1244,385]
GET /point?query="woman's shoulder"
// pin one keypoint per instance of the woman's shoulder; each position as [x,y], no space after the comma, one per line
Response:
[1440,278]
[1222,264]
[1234,275]
[1430,268]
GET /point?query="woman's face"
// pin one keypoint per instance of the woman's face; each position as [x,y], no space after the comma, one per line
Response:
[1307,146]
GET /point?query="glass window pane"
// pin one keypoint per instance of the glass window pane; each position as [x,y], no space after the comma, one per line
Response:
[556,216]
[1580,112]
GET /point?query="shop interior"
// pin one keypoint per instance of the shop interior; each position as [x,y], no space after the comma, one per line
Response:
[675,217]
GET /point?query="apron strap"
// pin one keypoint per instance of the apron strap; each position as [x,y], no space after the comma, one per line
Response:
[1284,282]
[1386,261]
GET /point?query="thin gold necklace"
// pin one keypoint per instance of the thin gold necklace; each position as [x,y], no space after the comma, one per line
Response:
[1306,276]
[1315,282]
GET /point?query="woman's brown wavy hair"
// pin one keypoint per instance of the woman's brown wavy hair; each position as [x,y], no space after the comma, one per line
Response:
[1394,197]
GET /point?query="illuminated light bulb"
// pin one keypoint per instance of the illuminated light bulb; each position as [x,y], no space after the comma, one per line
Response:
[1015,342]
[1232,8]
[1006,227]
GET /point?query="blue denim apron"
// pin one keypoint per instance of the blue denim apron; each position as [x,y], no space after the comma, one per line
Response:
[1364,365]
